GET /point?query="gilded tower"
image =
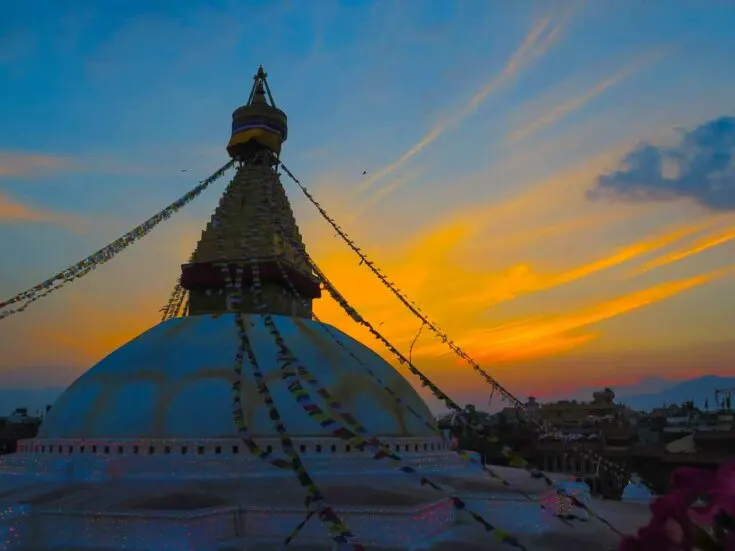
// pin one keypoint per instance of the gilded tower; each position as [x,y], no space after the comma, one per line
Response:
[253,223]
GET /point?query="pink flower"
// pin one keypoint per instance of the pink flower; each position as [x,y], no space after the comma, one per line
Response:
[667,535]
[726,475]
[670,528]
[692,483]
[699,502]
[717,498]
[724,486]
[674,531]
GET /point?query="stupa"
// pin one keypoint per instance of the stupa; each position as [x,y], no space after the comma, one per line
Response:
[142,451]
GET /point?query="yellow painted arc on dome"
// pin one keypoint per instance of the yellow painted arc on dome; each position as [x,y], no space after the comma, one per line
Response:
[270,139]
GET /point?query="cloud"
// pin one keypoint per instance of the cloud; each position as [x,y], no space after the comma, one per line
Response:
[459,254]
[133,161]
[563,109]
[461,249]
[536,43]
[18,164]
[13,212]
[705,243]
[376,197]
[555,193]
[523,238]
[521,279]
[432,259]
[537,336]
[700,167]
[102,322]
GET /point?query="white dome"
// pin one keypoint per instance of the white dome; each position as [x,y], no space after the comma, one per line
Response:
[174,381]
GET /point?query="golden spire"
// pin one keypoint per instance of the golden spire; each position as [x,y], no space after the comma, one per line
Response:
[254,206]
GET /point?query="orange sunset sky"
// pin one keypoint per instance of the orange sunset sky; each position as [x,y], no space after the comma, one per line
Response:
[556,189]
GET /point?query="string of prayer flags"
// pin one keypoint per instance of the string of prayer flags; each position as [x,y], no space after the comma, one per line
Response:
[336,528]
[233,287]
[349,429]
[576,502]
[106,253]
[616,469]
[514,458]
[292,536]
[173,307]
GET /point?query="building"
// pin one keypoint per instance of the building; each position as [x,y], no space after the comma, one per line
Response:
[17,426]
[600,426]
[650,444]
[154,448]
[684,437]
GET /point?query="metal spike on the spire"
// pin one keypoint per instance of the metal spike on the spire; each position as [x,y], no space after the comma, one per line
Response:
[260,88]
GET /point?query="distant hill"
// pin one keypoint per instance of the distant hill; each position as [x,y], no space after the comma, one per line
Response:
[31,398]
[646,385]
[698,390]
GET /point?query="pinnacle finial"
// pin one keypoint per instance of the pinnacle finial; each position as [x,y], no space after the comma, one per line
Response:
[260,88]
[259,95]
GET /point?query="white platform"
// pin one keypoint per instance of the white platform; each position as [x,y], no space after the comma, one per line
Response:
[112,503]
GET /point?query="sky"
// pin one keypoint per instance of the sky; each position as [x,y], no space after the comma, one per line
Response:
[552,182]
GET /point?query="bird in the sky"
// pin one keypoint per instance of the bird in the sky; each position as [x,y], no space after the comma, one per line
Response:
[183,170]
[364,172]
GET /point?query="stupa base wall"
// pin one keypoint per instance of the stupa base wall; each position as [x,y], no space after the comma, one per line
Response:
[385,526]
[387,513]
[217,529]
[61,464]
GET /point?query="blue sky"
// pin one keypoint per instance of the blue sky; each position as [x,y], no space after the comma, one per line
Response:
[482,126]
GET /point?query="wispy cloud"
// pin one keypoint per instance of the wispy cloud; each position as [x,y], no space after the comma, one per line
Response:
[14,212]
[522,280]
[386,190]
[542,36]
[535,337]
[705,243]
[15,164]
[519,226]
[555,192]
[459,252]
[523,238]
[571,105]
[20,164]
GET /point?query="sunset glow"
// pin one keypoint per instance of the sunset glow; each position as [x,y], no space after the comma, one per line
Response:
[535,193]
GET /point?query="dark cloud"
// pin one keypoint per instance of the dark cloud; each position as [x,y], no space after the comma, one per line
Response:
[701,167]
